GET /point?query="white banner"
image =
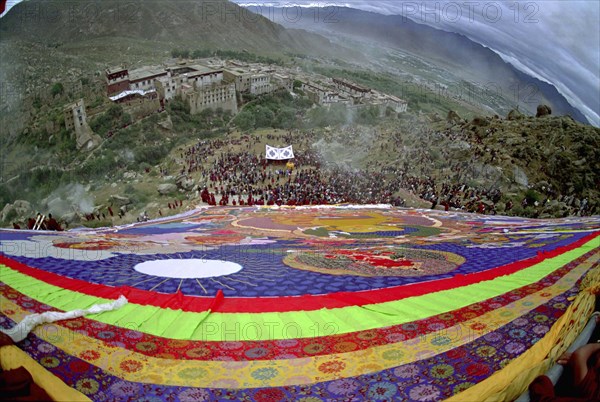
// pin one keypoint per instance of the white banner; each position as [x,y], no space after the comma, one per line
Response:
[279,154]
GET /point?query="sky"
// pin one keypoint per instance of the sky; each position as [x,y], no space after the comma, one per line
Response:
[556,41]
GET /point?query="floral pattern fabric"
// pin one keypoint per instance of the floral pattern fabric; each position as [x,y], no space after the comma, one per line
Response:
[293,261]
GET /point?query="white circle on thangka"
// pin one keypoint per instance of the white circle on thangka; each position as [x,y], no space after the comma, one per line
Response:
[187,268]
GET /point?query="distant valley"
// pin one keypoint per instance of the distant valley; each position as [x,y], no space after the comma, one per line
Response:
[450,62]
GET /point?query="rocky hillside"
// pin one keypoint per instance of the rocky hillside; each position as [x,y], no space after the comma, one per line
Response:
[544,166]
[550,159]
[203,23]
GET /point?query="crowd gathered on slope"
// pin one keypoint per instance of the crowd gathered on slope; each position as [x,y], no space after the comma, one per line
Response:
[235,173]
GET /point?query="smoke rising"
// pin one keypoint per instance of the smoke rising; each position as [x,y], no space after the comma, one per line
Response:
[347,148]
[70,198]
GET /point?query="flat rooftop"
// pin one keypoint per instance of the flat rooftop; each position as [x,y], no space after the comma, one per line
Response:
[146,72]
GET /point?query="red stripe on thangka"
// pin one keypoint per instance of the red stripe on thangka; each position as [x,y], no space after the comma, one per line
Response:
[161,347]
[222,304]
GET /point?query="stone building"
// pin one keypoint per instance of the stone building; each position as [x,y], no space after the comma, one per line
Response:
[239,77]
[351,89]
[260,83]
[75,116]
[138,103]
[212,96]
[76,121]
[282,81]
[217,85]
[117,80]
[396,104]
[179,80]
[322,95]
[143,78]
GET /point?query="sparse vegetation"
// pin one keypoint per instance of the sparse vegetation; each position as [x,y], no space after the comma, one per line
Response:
[277,110]
[205,124]
[113,118]
[57,89]
[224,54]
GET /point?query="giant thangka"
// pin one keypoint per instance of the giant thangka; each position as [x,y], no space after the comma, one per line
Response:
[279,154]
[304,304]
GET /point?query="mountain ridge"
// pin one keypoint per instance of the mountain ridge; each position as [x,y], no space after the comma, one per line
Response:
[214,23]
[478,61]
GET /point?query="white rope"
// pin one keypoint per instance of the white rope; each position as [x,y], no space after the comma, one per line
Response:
[20,331]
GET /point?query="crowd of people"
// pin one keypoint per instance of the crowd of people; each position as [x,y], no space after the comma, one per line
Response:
[235,172]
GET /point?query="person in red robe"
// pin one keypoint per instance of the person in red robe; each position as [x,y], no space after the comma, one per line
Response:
[205,196]
[584,369]
[52,224]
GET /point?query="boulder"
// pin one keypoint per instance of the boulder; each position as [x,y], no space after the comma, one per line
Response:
[479,121]
[70,218]
[120,200]
[19,209]
[166,124]
[543,110]
[86,139]
[187,184]
[459,145]
[520,176]
[514,114]
[152,206]
[167,188]
[435,118]
[554,204]
[453,117]
[552,208]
